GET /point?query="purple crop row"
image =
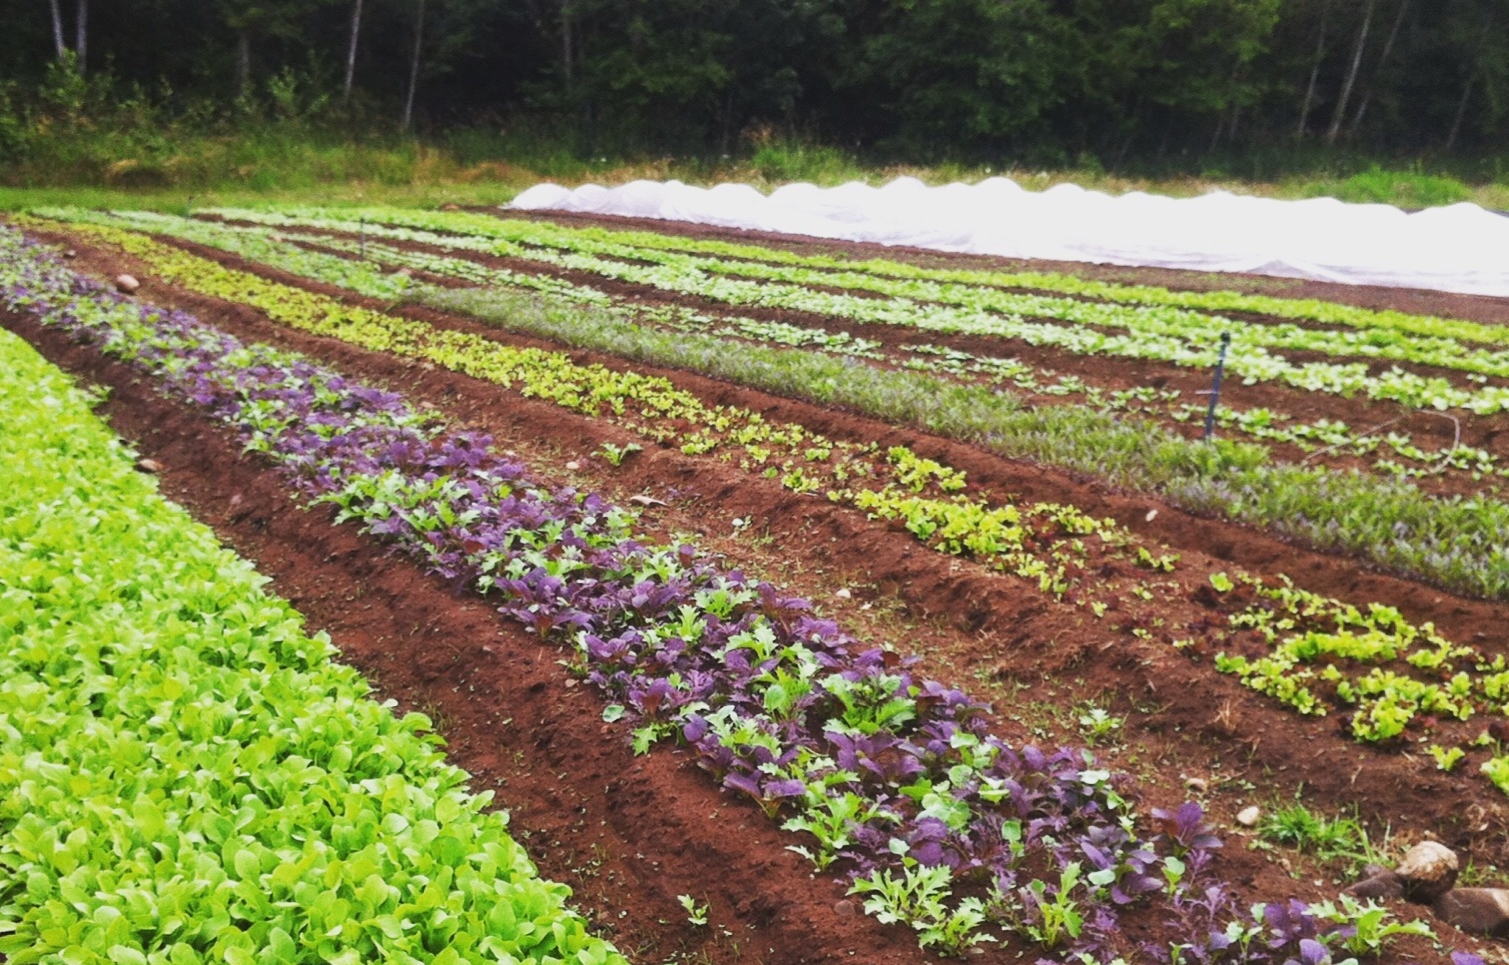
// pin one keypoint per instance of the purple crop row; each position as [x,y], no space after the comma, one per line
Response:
[938,823]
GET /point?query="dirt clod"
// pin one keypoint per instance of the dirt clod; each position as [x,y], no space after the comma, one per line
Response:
[1428,871]
[1384,885]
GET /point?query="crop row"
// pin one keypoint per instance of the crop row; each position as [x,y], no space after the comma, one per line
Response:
[1313,310]
[1397,453]
[1263,424]
[1045,542]
[944,286]
[1170,335]
[186,775]
[889,774]
[925,497]
[1449,542]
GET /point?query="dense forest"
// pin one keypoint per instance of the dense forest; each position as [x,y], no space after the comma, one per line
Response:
[1106,82]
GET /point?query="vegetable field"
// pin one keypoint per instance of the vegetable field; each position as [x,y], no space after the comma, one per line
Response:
[799,602]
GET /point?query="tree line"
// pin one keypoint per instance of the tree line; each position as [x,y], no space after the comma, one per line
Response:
[1059,80]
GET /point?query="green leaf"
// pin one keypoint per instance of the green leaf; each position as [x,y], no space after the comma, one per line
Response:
[247,865]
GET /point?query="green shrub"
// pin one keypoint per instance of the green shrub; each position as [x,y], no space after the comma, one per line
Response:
[1407,189]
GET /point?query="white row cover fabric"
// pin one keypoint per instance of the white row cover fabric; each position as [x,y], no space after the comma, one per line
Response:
[1460,248]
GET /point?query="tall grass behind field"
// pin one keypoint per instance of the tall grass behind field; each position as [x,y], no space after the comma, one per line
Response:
[126,160]
[1407,189]
[258,160]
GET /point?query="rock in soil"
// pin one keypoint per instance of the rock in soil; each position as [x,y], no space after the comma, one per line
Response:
[1483,911]
[1385,884]
[126,284]
[1248,816]
[1429,869]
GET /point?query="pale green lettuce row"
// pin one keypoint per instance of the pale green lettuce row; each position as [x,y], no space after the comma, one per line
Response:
[185,775]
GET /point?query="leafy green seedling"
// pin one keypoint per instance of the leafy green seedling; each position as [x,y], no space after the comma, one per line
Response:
[1098,726]
[1447,758]
[1366,926]
[617,454]
[1060,918]
[696,914]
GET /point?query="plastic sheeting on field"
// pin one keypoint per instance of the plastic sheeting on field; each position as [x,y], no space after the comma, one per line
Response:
[1460,248]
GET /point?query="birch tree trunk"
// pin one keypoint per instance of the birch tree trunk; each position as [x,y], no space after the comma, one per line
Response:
[1456,122]
[567,61]
[356,26]
[1346,88]
[1388,48]
[57,30]
[1320,53]
[243,62]
[408,101]
[81,35]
